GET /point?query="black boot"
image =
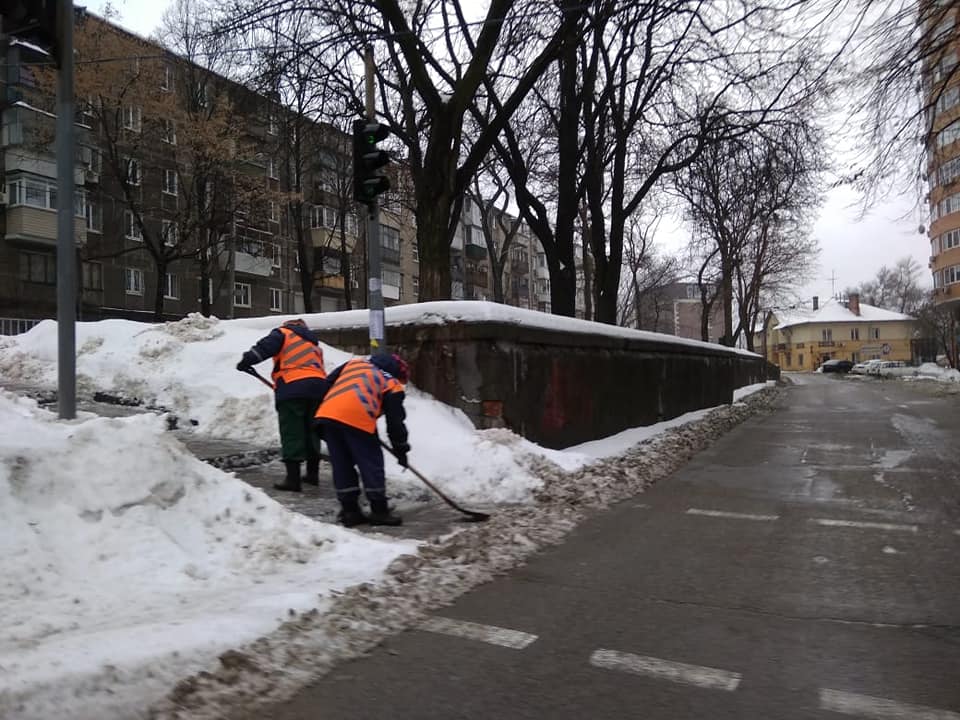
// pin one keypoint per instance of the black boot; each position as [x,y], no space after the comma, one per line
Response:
[380,514]
[350,514]
[313,472]
[291,483]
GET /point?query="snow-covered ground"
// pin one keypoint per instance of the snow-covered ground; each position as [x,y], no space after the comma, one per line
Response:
[129,564]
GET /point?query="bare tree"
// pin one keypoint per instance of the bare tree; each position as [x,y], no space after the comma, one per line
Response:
[943,326]
[897,288]
[498,227]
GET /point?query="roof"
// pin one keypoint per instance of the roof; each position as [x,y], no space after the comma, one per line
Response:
[832,311]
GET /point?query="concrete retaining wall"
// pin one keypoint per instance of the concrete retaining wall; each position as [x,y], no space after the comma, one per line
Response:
[558,388]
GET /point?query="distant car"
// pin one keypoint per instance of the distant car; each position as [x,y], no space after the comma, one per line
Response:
[884,367]
[867,367]
[837,366]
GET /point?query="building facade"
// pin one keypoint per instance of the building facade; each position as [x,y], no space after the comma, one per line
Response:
[941,84]
[803,339]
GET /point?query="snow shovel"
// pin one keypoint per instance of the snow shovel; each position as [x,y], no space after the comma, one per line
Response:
[261,378]
[471,515]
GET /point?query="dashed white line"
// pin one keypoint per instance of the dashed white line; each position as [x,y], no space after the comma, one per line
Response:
[829,522]
[732,515]
[474,631]
[876,708]
[705,677]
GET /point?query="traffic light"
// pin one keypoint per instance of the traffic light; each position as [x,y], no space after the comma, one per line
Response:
[31,20]
[368,159]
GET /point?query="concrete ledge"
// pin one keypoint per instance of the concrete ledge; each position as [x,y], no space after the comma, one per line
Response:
[560,388]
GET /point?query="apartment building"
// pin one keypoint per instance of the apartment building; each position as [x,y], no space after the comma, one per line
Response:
[164,226]
[941,83]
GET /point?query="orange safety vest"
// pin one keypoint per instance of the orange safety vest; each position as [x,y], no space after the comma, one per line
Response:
[356,398]
[298,359]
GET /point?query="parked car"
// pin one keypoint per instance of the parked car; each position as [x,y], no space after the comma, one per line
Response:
[866,367]
[887,365]
[837,366]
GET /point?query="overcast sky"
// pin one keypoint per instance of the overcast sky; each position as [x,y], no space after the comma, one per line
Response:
[851,251]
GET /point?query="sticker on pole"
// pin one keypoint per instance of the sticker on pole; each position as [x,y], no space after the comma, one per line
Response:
[374,284]
[376,324]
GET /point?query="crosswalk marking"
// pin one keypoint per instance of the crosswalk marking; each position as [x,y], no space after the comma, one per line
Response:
[732,515]
[475,631]
[705,677]
[867,706]
[829,522]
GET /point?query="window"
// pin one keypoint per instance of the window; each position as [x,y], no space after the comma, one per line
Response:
[41,193]
[132,169]
[391,277]
[316,217]
[389,238]
[949,171]
[943,68]
[415,250]
[132,118]
[200,94]
[170,181]
[271,168]
[950,133]
[96,161]
[131,228]
[800,359]
[92,276]
[171,287]
[274,212]
[951,275]
[94,217]
[276,300]
[875,333]
[133,281]
[169,131]
[241,294]
[87,111]
[827,334]
[271,122]
[948,98]
[38,268]
[329,217]
[296,261]
[277,255]
[950,240]
[166,82]
[854,333]
[416,287]
[170,233]
[946,206]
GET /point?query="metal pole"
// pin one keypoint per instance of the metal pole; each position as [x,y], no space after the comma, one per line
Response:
[66,244]
[232,268]
[374,281]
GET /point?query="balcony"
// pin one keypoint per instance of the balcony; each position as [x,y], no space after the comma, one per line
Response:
[389,255]
[478,279]
[244,262]
[519,266]
[542,273]
[826,343]
[476,252]
[38,226]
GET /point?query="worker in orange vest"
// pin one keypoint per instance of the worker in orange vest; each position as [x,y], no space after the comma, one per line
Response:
[300,382]
[361,390]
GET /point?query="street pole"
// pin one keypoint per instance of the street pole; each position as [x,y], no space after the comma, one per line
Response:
[66,244]
[374,281]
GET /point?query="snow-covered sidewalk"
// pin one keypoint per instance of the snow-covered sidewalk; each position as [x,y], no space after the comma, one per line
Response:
[131,565]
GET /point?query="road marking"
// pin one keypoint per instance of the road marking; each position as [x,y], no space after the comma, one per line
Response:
[474,631]
[879,708]
[861,524]
[705,677]
[734,515]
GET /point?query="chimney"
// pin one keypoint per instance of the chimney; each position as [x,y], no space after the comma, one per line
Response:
[816,303]
[853,303]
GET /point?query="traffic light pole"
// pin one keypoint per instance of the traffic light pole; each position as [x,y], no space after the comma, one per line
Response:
[66,245]
[374,271]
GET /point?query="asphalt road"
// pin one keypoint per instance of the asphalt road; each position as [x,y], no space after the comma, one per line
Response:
[805,566]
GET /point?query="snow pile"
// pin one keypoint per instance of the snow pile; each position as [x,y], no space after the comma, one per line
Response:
[128,563]
[935,372]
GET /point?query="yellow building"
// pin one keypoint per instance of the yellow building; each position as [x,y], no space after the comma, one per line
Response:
[803,339]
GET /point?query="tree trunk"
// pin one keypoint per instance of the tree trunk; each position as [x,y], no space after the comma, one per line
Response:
[161,264]
[433,240]
[726,281]
[306,259]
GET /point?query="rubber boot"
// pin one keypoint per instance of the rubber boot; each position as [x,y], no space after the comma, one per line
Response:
[380,514]
[313,472]
[350,514]
[291,483]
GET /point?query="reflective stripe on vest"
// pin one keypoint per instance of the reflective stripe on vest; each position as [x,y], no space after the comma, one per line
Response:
[298,359]
[356,398]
